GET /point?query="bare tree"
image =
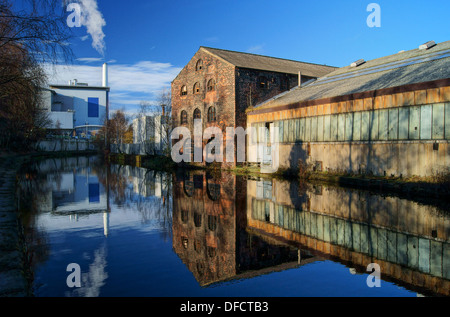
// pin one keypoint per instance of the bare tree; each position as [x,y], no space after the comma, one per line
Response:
[28,37]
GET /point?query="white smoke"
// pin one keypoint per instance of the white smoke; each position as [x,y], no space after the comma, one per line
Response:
[94,22]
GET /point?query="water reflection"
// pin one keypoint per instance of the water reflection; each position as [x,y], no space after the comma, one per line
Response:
[222,227]
[229,227]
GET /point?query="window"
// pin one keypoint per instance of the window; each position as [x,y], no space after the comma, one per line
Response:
[262,82]
[211,114]
[184,90]
[183,119]
[197,114]
[211,85]
[196,88]
[93,107]
[199,65]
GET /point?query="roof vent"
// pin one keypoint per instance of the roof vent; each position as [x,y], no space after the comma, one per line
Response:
[357,63]
[427,45]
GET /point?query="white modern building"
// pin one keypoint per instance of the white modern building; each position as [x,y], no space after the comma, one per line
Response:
[77,108]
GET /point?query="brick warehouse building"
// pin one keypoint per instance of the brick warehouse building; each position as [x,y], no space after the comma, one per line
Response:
[218,85]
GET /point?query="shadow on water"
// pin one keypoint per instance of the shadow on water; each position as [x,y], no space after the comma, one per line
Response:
[226,228]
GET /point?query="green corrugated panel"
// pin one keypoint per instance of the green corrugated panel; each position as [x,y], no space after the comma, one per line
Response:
[302,129]
[383,124]
[424,255]
[413,252]
[438,121]
[308,130]
[414,123]
[447,122]
[320,128]
[286,131]
[365,125]
[280,131]
[291,131]
[348,126]
[436,258]
[357,126]
[334,128]
[327,128]
[403,123]
[373,121]
[393,124]
[425,122]
[314,129]
[297,130]
[341,127]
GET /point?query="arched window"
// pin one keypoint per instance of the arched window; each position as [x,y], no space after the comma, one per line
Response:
[197,219]
[197,114]
[183,119]
[211,85]
[199,65]
[196,88]
[184,90]
[211,114]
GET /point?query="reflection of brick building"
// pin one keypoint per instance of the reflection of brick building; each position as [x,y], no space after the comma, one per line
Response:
[218,85]
[209,231]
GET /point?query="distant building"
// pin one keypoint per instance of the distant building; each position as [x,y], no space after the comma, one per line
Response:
[150,129]
[217,86]
[77,108]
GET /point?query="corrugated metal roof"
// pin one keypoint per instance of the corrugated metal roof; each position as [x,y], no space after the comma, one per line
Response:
[274,64]
[410,67]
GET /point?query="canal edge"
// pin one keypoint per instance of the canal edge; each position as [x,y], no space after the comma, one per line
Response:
[13,270]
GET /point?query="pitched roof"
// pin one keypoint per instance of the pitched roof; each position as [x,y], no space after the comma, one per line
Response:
[273,64]
[404,68]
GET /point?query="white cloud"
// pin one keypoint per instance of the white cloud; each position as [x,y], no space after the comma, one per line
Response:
[94,22]
[89,59]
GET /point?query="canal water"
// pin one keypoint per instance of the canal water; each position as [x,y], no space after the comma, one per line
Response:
[127,231]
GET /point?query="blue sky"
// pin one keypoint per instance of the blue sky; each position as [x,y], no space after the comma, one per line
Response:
[147,42]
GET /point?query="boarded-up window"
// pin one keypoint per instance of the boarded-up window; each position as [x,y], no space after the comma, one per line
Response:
[93,107]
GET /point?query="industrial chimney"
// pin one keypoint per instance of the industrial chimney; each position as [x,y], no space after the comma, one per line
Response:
[105,75]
